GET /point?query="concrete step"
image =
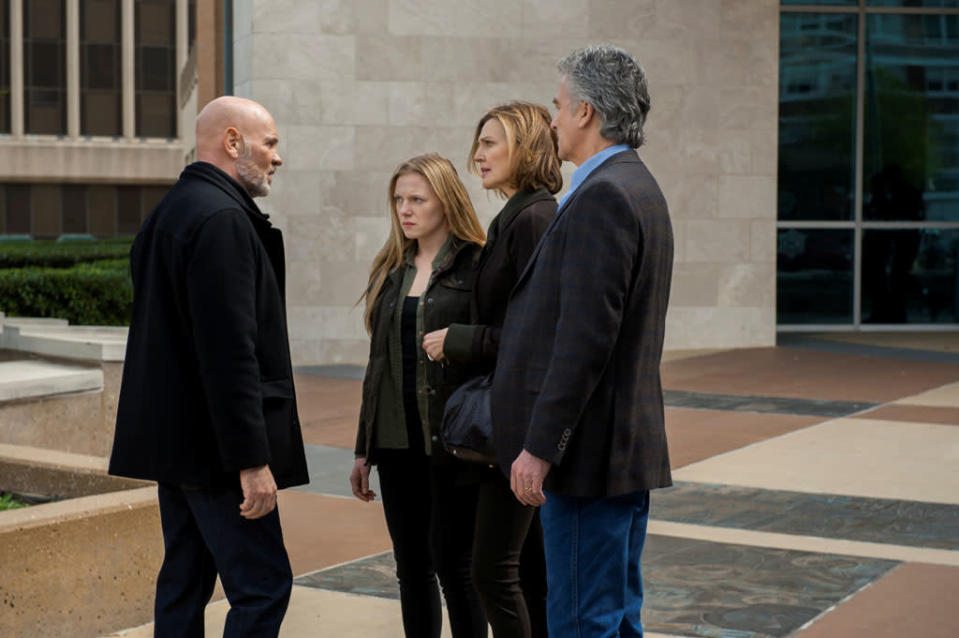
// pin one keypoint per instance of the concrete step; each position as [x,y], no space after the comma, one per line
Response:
[20,380]
[88,343]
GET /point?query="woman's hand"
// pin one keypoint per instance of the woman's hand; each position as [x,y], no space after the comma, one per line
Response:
[433,344]
[360,480]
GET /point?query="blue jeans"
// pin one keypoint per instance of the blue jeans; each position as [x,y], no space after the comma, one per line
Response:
[593,547]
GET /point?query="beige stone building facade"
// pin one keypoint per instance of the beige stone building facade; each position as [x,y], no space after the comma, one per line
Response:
[358,86]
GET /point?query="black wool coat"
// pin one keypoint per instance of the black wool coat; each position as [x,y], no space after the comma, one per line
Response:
[577,379]
[207,385]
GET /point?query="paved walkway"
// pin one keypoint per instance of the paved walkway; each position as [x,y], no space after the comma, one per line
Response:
[817,495]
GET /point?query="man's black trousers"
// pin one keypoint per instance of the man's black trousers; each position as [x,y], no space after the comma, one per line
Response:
[204,535]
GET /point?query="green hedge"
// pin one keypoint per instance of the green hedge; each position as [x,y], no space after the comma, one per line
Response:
[93,293]
[53,254]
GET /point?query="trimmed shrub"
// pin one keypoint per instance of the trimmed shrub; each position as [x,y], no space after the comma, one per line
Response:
[92,293]
[53,254]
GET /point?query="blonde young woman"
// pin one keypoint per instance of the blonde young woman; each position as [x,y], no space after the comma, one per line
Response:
[421,280]
[514,152]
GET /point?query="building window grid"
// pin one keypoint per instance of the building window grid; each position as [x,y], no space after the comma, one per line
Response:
[45,77]
[101,82]
[859,226]
[155,48]
[4,66]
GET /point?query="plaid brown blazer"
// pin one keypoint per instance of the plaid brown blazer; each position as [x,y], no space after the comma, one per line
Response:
[577,378]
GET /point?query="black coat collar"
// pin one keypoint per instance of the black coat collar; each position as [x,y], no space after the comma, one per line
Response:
[215,176]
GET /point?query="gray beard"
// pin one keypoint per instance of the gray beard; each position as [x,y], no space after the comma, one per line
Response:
[255,183]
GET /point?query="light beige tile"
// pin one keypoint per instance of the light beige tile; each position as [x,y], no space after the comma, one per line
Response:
[390,58]
[304,16]
[762,240]
[689,196]
[722,241]
[303,56]
[945,397]
[371,16]
[747,196]
[715,327]
[856,457]
[464,18]
[623,19]
[555,18]
[319,148]
[747,285]
[694,285]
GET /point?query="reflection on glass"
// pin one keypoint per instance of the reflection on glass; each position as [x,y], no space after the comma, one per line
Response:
[817,87]
[910,276]
[926,4]
[814,280]
[911,145]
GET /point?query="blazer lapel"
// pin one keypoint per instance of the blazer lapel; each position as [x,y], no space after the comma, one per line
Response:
[625,156]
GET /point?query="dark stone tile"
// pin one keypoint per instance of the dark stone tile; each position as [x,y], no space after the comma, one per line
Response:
[372,576]
[768,405]
[330,471]
[895,522]
[333,371]
[914,414]
[718,590]
[693,588]
[846,347]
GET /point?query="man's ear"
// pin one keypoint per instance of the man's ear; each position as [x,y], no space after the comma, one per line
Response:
[232,142]
[585,114]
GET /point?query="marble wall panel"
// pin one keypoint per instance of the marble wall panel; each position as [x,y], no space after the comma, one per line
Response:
[304,16]
[464,18]
[357,87]
[555,18]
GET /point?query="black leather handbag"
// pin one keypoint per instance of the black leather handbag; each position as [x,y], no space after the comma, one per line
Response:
[467,428]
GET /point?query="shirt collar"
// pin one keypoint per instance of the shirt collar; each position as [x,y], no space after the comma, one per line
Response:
[590,165]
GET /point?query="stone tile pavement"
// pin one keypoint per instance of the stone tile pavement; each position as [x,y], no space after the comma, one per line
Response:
[817,495]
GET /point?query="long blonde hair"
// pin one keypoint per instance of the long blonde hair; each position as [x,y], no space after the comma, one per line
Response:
[460,215]
[532,146]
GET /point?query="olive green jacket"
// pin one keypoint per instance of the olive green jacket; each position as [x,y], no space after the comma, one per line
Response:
[446,300]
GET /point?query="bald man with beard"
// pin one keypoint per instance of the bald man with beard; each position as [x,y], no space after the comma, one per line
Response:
[207,406]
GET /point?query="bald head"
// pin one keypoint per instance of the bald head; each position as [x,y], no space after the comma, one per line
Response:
[238,136]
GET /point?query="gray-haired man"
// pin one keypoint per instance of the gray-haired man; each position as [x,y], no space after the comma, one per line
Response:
[577,388]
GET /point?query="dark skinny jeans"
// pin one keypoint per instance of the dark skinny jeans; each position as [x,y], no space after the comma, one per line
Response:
[509,565]
[430,514]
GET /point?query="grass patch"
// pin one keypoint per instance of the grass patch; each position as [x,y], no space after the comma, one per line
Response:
[10,502]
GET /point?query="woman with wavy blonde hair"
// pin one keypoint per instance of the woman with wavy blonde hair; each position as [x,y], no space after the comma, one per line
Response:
[420,281]
[515,154]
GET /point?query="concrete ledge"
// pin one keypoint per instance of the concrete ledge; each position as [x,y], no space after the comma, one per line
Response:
[80,568]
[96,343]
[38,379]
[49,473]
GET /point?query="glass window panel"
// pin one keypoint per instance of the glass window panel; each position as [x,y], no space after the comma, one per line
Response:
[814,276]
[102,210]
[74,209]
[46,210]
[128,210]
[18,209]
[911,145]
[910,276]
[44,73]
[4,67]
[100,84]
[929,4]
[151,197]
[817,87]
[155,69]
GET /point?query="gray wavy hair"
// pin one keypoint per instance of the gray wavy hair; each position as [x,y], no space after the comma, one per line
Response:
[614,84]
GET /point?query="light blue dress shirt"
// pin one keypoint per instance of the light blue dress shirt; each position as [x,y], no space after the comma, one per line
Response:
[588,167]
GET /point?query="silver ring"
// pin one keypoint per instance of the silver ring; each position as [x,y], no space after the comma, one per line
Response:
[430,357]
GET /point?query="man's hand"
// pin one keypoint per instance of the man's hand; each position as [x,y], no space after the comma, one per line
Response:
[526,478]
[259,492]
[433,344]
[360,480]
